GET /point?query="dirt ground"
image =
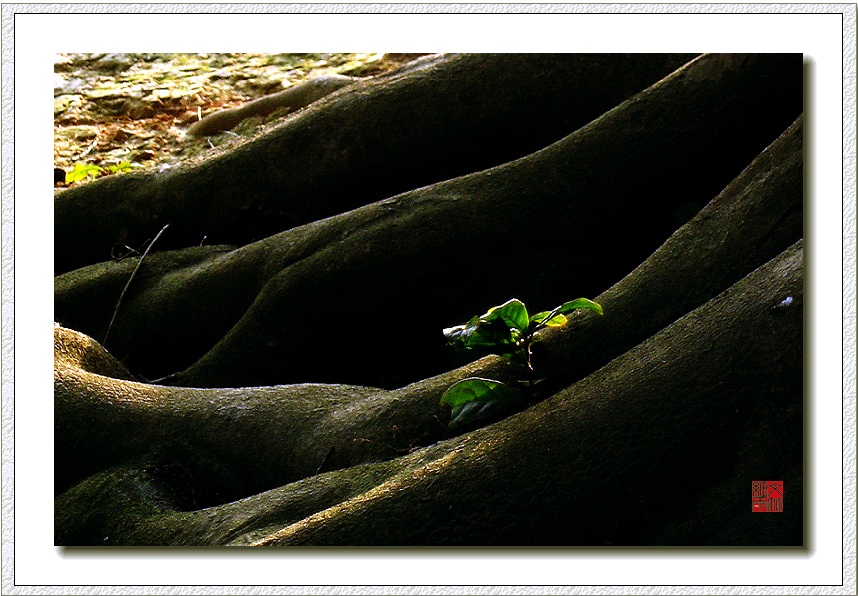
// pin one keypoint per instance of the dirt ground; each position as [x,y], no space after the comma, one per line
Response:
[115,113]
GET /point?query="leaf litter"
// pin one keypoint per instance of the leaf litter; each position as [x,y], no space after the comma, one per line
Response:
[115,113]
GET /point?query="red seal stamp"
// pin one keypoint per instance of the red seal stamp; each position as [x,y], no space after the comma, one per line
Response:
[767,496]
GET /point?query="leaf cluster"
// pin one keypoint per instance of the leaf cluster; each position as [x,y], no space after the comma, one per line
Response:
[82,171]
[509,331]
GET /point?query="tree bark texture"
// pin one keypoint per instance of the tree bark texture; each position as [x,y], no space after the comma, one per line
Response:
[282,312]
[306,368]
[695,405]
[443,117]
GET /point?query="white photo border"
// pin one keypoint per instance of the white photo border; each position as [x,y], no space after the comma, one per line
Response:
[33,33]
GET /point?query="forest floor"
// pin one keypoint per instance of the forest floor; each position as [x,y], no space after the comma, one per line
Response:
[120,112]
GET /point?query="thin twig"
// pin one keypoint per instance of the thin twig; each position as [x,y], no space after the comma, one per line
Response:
[89,149]
[324,460]
[130,279]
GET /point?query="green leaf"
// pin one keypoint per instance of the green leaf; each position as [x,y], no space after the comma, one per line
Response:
[555,321]
[81,171]
[475,400]
[467,390]
[495,333]
[580,303]
[122,166]
[512,312]
[459,334]
[492,336]
[539,317]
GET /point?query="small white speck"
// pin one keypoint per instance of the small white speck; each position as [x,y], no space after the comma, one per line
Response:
[786,301]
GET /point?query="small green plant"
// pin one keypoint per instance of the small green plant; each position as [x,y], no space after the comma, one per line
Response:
[509,331]
[122,166]
[82,171]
